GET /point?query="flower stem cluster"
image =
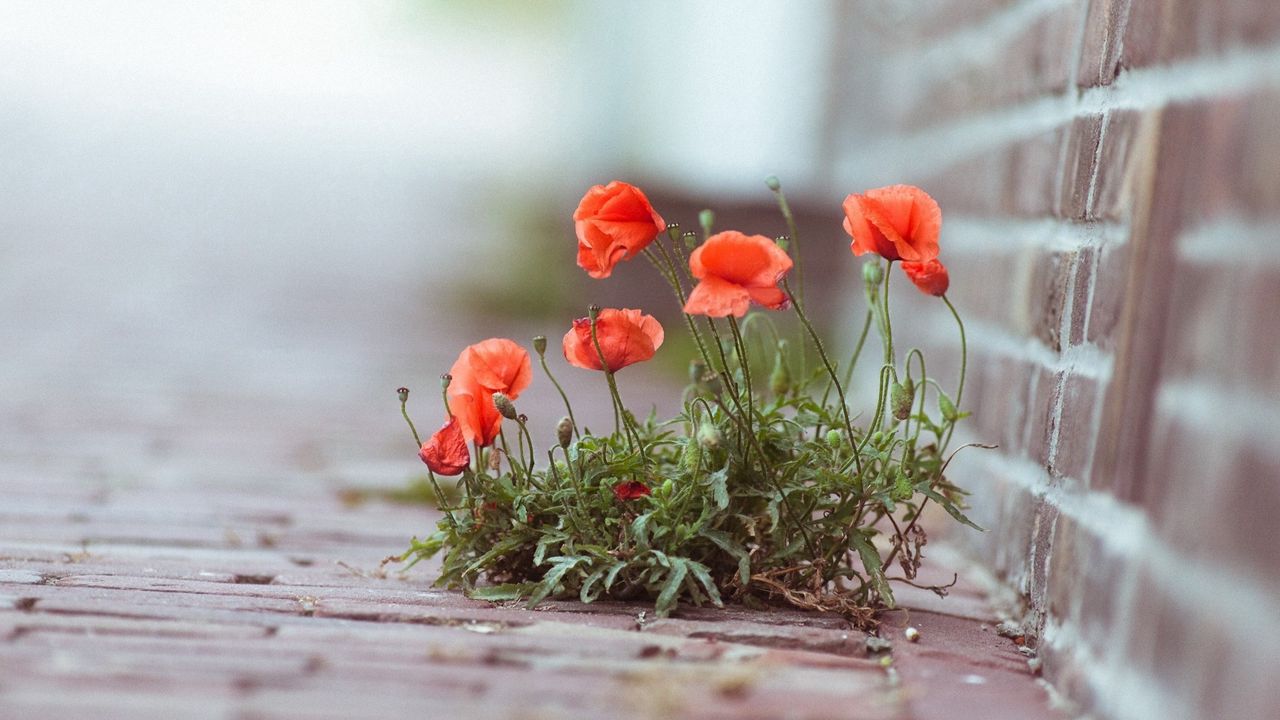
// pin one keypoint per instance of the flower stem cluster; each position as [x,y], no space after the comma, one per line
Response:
[765,488]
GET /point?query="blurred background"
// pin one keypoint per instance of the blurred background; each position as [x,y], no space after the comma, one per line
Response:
[329,199]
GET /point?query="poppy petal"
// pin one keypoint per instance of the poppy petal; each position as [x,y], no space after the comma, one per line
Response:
[445,452]
[717,298]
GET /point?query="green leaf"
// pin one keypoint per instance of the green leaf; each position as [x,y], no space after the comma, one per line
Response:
[560,566]
[640,530]
[722,540]
[875,570]
[671,587]
[500,593]
[947,505]
[585,595]
[719,487]
[703,575]
[744,570]
[613,574]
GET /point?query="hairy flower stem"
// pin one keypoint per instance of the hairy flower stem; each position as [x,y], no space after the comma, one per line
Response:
[831,371]
[767,469]
[848,372]
[889,358]
[964,356]
[542,357]
[785,208]
[741,348]
[669,274]
[435,484]
[621,421]
[405,412]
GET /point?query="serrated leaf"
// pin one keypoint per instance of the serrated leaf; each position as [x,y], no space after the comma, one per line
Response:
[585,594]
[949,506]
[703,575]
[722,540]
[640,530]
[560,566]
[875,570]
[720,487]
[612,575]
[671,587]
[500,593]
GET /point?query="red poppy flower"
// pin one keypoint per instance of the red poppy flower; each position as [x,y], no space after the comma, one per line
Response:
[626,337]
[931,277]
[613,222]
[899,222]
[495,365]
[630,490]
[446,451]
[734,269]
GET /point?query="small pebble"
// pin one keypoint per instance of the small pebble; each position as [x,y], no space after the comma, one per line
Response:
[912,634]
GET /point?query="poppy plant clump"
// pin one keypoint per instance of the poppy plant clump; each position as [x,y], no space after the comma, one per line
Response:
[766,488]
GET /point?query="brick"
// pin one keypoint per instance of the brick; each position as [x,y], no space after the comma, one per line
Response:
[1075,427]
[1261,352]
[1160,32]
[1205,339]
[1043,539]
[1047,295]
[1109,296]
[1100,55]
[1003,404]
[1079,157]
[1042,419]
[1121,133]
[1033,167]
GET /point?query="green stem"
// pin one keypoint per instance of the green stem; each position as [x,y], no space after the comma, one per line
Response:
[568,408]
[831,371]
[964,356]
[785,207]
[405,412]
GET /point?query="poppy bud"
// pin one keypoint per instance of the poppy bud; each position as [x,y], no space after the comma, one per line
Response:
[947,407]
[900,401]
[872,274]
[773,183]
[780,379]
[709,436]
[706,219]
[667,487]
[403,393]
[691,456]
[540,344]
[902,489]
[445,379]
[564,432]
[505,407]
[833,437]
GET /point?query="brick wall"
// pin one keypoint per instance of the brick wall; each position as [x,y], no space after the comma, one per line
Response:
[1109,172]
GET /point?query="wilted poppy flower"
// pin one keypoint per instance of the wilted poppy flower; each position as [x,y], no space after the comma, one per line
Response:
[931,277]
[626,337]
[493,366]
[630,490]
[613,222]
[899,222]
[446,451]
[733,269]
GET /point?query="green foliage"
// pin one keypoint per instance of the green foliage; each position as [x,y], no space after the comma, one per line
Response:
[762,497]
